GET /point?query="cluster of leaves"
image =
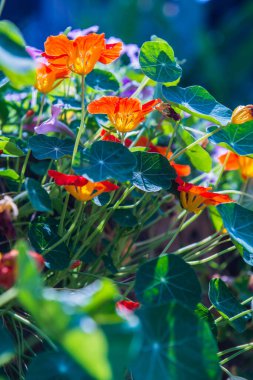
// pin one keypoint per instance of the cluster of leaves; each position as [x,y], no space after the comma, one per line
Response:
[64,322]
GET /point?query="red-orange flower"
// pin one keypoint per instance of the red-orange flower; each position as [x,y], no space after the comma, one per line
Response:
[127,306]
[235,162]
[197,198]
[8,267]
[81,188]
[81,54]
[125,114]
[48,77]
[242,114]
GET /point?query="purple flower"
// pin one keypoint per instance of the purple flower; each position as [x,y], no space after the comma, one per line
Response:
[82,32]
[129,88]
[131,50]
[53,124]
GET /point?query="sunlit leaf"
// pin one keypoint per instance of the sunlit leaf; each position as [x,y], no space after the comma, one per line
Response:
[9,174]
[102,80]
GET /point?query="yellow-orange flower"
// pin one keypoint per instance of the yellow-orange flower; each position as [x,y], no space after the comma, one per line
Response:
[81,188]
[235,162]
[48,77]
[242,114]
[125,114]
[81,54]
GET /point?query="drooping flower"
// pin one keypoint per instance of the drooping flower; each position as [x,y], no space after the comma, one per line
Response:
[81,54]
[235,162]
[125,306]
[197,198]
[125,114]
[8,212]
[242,114]
[53,124]
[81,188]
[49,77]
[8,267]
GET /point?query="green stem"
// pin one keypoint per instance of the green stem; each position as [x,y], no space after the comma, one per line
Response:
[236,192]
[8,296]
[140,88]
[175,234]
[236,348]
[64,210]
[2,4]
[206,260]
[172,138]
[236,354]
[81,128]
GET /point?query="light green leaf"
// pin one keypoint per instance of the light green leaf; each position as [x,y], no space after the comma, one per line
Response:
[102,80]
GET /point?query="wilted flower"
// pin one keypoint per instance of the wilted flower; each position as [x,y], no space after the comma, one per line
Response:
[197,198]
[53,124]
[8,212]
[81,188]
[125,114]
[242,114]
[81,54]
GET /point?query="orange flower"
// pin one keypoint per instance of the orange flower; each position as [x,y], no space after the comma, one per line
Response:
[197,198]
[236,162]
[125,114]
[242,114]
[48,77]
[81,188]
[81,54]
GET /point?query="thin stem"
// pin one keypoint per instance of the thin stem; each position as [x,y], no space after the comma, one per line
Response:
[175,234]
[81,128]
[2,4]
[64,210]
[236,354]
[215,256]
[8,296]
[140,88]
[171,139]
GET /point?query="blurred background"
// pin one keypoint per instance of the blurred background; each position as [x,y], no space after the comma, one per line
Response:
[214,37]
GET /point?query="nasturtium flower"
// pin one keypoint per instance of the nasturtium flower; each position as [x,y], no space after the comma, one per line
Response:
[242,114]
[49,77]
[81,188]
[81,54]
[8,267]
[197,198]
[125,114]
[126,306]
[235,162]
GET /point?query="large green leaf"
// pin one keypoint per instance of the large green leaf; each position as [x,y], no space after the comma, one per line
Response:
[167,278]
[238,136]
[102,80]
[37,195]
[15,62]
[43,147]
[228,306]
[198,156]
[239,223]
[153,172]
[196,100]
[43,235]
[158,62]
[7,347]
[105,160]
[176,345]
[55,365]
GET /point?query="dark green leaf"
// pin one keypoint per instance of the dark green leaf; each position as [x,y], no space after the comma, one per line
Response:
[153,172]
[55,366]
[204,313]
[248,257]
[125,218]
[105,160]
[37,195]
[7,348]
[198,156]
[102,80]
[228,306]
[176,345]
[50,147]
[42,236]
[197,101]
[167,278]
[239,137]
[15,62]
[102,199]
[157,61]
[239,223]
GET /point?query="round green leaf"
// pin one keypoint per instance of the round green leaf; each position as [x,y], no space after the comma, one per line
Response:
[228,306]
[43,147]
[55,366]
[105,160]
[102,80]
[37,195]
[15,62]
[197,101]
[167,278]
[153,172]
[176,345]
[7,348]
[239,223]
[157,61]
[238,136]
[42,236]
